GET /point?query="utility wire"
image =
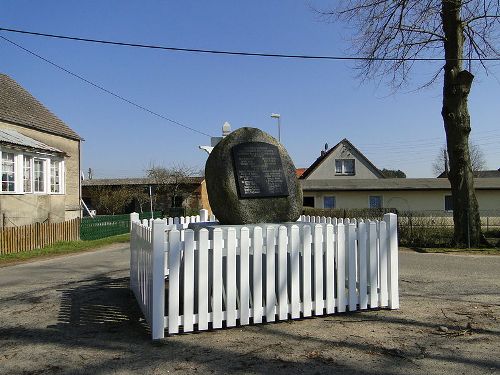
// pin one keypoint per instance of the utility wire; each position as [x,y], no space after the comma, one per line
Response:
[104,89]
[238,53]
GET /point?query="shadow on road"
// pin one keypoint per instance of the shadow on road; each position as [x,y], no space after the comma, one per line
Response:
[104,305]
[102,315]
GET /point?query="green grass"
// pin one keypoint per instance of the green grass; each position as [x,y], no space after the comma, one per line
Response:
[61,248]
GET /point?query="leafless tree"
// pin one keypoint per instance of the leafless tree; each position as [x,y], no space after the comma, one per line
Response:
[476,158]
[171,183]
[392,35]
[110,200]
[141,197]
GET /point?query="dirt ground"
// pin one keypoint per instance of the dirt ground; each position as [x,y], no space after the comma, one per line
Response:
[76,315]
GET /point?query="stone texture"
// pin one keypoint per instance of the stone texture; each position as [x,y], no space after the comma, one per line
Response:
[222,187]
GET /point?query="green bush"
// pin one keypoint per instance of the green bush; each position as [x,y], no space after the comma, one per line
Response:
[415,229]
[424,229]
[494,233]
[361,213]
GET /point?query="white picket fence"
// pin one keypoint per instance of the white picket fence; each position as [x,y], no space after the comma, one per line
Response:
[227,275]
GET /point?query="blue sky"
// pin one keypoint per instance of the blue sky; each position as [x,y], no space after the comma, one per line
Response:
[319,101]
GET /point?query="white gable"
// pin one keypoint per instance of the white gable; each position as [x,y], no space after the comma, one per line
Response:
[344,162]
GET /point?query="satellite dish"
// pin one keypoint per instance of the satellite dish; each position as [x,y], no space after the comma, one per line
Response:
[326,146]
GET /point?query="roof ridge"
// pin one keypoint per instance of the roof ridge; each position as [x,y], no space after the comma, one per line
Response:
[324,155]
[18,106]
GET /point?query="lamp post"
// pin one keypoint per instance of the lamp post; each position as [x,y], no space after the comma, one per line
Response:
[277,116]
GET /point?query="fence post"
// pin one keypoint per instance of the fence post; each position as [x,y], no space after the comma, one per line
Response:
[134,217]
[392,257]
[158,295]
[203,215]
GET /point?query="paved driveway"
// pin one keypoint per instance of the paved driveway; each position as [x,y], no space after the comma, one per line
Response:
[75,315]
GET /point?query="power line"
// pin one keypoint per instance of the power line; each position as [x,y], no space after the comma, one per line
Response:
[105,89]
[236,53]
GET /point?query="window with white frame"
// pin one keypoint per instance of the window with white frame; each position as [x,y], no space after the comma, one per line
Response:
[39,175]
[8,172]
[27,174]
[55,176]
[344,166]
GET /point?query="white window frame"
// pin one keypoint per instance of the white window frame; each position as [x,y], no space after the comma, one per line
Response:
[19,172]
[44,176]
[30,161]
[343,171]
[16,174]
[60,164]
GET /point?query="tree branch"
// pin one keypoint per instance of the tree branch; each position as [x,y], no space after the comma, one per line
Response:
[495,16]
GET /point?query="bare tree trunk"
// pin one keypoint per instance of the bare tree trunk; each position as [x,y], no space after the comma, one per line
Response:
[457,84]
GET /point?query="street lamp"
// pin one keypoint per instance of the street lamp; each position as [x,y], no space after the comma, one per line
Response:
[277,116]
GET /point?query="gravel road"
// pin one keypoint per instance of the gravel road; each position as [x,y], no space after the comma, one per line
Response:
[75,315]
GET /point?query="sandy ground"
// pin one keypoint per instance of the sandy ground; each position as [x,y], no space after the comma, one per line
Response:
[76,315]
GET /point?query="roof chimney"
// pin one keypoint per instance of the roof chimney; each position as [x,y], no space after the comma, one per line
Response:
[226,129]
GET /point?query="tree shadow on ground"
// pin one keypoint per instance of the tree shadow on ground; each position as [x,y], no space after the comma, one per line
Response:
[103,315]
[104,305]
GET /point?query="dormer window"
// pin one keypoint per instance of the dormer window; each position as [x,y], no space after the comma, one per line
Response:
[344,167]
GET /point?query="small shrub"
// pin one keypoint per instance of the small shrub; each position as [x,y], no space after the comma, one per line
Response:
[361,213]
[495,233]
[424,230]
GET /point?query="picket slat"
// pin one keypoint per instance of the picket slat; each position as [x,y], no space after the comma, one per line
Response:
[383,264]
[270,274]
[392,256]
[217,279]
[351,240]
[341,245]
[363,283]
[174,260]
[373,263]
[188,310]
[294,244]
[282,274]
[330,270]
[257,275]
[244,276]
[203,316]
[231,278]
[318,270]
[306,271]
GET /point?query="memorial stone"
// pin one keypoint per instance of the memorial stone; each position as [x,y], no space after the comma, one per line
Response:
[251,179]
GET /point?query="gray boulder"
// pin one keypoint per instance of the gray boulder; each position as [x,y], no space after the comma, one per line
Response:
[251,179]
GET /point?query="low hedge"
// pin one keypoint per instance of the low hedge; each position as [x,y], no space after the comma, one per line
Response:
[413,230]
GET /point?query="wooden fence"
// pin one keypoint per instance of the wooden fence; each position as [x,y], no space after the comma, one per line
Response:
[37,235]
[222,276]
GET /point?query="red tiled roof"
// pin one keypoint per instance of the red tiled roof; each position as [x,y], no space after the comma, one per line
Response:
[299,171]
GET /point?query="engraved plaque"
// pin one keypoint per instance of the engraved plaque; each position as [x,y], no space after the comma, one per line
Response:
[258,170]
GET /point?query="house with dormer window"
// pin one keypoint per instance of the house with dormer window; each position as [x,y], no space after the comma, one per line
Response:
[40,161]
[342,161]
[342,177]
